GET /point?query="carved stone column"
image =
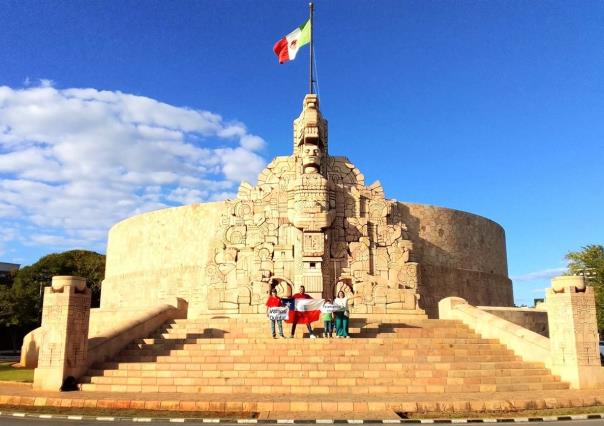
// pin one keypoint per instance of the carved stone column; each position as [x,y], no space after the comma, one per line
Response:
[65,317]
[573,332]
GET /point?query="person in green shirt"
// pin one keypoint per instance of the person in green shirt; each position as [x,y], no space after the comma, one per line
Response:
[327,318]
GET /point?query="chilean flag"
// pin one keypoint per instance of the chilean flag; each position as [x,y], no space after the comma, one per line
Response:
[303,311]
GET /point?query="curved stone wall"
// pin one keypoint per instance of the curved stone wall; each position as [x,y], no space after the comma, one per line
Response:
[454,238]
[156,256]
[461,254]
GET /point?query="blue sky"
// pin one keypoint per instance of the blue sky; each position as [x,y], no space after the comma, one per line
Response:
[109,108]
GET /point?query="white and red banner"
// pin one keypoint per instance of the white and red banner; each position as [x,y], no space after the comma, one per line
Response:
[303,311]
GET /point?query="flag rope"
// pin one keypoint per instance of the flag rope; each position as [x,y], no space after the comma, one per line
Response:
[316,75]
[312,43]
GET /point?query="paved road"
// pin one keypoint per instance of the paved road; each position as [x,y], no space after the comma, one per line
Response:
[23,421]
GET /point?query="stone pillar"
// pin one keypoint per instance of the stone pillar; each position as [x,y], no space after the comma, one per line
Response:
[65,318]
[573,332]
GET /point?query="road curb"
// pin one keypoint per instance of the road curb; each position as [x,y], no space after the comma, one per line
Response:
[292,421]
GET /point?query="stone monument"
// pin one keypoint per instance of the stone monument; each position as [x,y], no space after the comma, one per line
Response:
[311,221]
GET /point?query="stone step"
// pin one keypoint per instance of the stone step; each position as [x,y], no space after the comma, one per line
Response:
[310,347]
[268,342]
[316,381]
[440,371]
[339,406]
[195,349]
[358,389]
[265,329]
[264,322]
[302,340]
[319,366]
[352,324]
[396,354]
[407,354]
[310,358]
[353,321]
[266,336]
[238,356]
[316,345]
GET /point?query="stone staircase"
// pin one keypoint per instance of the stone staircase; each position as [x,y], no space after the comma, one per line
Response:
[238,356]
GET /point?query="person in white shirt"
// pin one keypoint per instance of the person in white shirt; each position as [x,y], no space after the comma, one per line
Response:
[342,315]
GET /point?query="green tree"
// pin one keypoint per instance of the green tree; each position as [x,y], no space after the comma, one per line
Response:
[589,261]
[6,299]
[20,305]
[7,278]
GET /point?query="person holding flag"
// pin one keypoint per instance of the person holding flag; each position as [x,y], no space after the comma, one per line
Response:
[303,308]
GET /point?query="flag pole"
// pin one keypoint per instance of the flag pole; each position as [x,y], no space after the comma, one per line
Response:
[312,42]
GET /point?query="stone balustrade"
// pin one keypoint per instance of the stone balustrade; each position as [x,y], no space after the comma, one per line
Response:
[570,352]
[72,337]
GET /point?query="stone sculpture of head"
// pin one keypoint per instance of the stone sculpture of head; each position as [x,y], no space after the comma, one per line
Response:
[311,157]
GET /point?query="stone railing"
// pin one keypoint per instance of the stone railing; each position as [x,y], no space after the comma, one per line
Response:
[73,337]
[30,348]
[535,319]
[571,352]
[106,325]
[525,343]
[112,334]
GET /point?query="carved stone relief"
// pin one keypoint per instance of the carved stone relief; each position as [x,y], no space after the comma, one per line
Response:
[311,221]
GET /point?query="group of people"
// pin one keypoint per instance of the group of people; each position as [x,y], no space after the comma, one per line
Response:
[334,314]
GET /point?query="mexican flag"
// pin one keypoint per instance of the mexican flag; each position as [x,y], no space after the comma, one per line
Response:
[286,49]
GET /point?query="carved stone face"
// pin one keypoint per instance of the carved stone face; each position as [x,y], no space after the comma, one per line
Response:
[311,156]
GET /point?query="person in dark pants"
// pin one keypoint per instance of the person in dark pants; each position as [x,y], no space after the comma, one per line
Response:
[273,302]
[327,317]
[301,295]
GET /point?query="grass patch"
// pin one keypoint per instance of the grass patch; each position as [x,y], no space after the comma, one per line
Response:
[126,413]
[596,409]
[10,374]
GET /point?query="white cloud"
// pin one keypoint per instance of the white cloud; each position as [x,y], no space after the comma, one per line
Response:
[57,240]
[539,275]
[223,196]
[187,195]
[239,163]
[7,235]
[75,161]
[8,210]
[251,142]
